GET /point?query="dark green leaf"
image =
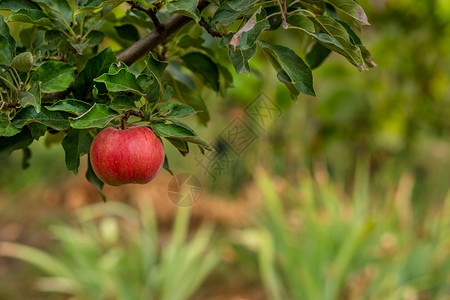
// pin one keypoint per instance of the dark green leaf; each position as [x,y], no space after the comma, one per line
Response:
[124,81]
[335,32]
[72,106]
[179,131]
[184,7]
[7,43]
[48,118]
[94,38]
[122,103]
[31,16]
[32,97]
[239,58]
[166,165]
[127,32]
[55,76]
[37,130]
[6,52]
[226,15]
[15,5]
[18,141]
[59,5]
[203,66]
[98,116]
[94,180]
[351,9]
[155,66]
[6,128]
[317,55]
[179,110]
[299,73]
[241,4]
[274,18]
[76,143]
[182,146]
[94,68]
[92,5]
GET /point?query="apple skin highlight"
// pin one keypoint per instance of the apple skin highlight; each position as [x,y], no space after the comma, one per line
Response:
[134,155]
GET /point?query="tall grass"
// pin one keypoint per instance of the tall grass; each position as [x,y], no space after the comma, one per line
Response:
[116,252]
[317,242]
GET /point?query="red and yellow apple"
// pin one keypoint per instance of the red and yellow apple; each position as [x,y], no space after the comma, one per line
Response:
[133,155]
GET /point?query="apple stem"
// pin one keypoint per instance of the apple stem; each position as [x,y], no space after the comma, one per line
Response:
[123,121]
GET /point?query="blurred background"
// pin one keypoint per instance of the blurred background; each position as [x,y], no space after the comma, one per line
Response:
[340,196]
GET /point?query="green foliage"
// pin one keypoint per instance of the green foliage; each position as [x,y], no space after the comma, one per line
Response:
[344,247]
[114,253]
[61,74]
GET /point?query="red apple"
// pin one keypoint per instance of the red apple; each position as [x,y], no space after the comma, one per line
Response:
[133,155]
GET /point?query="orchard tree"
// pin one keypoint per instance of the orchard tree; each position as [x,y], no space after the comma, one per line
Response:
[56,77]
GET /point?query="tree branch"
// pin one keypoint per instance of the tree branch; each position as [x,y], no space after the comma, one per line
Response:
[208,28]
[151,12]
[154,38]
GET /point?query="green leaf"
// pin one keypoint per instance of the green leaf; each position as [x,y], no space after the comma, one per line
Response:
[54,39]
[174,109]
[94,180]
[92,5]
[94,38]
[55,76]
[18,141]
[226,15]
[59,5]
[76,143]
[94,67]
[98,116]
[37,130]
[7,53]
[335,32]
[184,7]
[6,128]
[246,37]
[182,146]
[203,66]
[48,118]
[351,9]
[186,95]
[241,4]
[7,43]
[123,81]
[32,97]
[166,165]
[15,5]
[179,131]
[27,36]
[127,32]
[239,58]
[71,106]
[122,103]
[355,40]
[31,16]
[317,55]
[298,72]
[23,62]
[155,68]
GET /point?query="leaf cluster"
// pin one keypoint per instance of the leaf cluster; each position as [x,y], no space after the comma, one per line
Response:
[58,76]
